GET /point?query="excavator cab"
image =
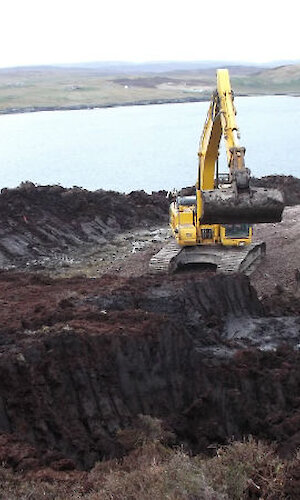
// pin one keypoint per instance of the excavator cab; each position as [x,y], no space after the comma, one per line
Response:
[237,235]
[237,230]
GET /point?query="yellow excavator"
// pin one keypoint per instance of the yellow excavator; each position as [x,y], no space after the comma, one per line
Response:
[213,226]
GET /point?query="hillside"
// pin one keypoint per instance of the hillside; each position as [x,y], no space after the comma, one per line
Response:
[282,80]
[49,88]
[282,74]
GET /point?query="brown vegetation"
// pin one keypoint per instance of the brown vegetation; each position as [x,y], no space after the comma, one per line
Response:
[241,470]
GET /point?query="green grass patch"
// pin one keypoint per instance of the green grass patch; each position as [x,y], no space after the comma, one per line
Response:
[59,87]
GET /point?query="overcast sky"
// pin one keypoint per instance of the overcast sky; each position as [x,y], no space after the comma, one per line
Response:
[61,31]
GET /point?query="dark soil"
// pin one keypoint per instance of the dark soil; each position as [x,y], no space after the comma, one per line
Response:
[82,357]
[38,221]
[287,184]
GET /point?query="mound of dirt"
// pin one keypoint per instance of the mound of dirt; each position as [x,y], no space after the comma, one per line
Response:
[81,359]
[280,268]
[38,221]
[287,184]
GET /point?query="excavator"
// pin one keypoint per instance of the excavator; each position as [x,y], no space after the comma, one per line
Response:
[212,227]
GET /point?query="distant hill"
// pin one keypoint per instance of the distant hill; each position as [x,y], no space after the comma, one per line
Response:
[106,84]
[167,66]
[282,74]
[284,79]
[121,67]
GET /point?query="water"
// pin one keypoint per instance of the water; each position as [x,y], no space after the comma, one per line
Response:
[141,147]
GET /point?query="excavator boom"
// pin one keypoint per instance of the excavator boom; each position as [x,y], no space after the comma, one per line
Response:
[239,202]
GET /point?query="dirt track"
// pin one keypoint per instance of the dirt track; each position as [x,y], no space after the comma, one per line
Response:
[89,340]
[283,253]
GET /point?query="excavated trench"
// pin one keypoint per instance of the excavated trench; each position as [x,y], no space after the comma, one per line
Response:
[197,352]
[82,357]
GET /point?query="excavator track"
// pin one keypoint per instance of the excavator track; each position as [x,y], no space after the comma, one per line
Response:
[161,261]
[225,260]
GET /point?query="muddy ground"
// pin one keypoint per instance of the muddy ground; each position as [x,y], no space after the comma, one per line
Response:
[89,339]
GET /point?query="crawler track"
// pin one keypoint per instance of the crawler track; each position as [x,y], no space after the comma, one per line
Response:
[226,260]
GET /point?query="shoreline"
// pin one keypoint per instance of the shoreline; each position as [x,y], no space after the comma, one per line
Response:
[146,102]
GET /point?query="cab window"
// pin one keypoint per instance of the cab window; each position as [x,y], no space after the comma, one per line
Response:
[237,230]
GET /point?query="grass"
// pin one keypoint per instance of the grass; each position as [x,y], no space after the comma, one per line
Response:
[260,85]
[55,88]
[242,470]
[247,467]
[152,470]
[66,88]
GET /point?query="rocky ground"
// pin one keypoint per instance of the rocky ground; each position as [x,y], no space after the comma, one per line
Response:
[89,339]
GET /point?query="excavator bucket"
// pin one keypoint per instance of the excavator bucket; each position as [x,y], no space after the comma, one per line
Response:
[224,206]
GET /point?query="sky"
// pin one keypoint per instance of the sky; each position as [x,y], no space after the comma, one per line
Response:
[35,32]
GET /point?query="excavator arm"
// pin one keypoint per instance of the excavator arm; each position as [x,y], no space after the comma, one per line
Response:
[238,203]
